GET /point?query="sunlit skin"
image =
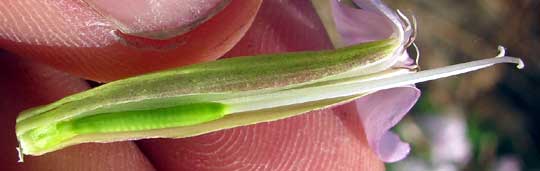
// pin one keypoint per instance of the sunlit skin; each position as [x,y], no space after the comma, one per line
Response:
[323,140]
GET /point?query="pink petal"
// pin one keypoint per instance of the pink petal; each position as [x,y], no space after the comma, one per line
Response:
[371,20]
[391,148]
[381,111]
[357,26]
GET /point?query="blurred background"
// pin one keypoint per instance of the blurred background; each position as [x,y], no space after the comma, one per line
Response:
[486,120]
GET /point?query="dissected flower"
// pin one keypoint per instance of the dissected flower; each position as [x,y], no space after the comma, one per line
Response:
[211,96]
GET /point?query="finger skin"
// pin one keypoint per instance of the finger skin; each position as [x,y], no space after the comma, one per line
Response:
[27,84]
[72,37]
[323,140]
[157,19]
[331,139]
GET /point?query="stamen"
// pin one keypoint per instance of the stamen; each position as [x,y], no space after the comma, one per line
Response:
[502,51]
[417,58]
[21,155]
[405,19]
[415,29]
[410,26]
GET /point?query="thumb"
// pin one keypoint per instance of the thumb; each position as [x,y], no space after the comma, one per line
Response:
[74,36]
[157,19]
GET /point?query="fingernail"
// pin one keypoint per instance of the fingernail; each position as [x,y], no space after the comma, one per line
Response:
[161,19]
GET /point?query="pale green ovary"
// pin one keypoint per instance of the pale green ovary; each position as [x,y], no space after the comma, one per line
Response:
[183,115]
[125,121]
